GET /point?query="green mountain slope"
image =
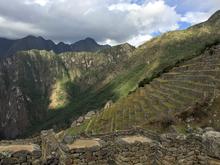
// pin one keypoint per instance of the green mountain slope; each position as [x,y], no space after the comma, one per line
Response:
[172,98]
[154,58]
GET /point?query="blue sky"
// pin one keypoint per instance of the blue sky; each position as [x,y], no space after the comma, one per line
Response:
[107,21]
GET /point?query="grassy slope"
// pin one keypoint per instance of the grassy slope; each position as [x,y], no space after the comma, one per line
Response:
[152,59]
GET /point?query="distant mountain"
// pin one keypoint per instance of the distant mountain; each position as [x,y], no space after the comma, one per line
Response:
[5,45]
[10,47]
[87,44]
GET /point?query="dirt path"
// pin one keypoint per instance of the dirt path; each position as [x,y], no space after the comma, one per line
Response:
[84,143]
[133,139]
[16,148]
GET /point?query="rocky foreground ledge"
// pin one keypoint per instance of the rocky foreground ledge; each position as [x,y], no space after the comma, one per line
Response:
[136,147]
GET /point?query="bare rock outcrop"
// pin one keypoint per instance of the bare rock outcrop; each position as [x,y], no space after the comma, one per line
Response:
[211,140]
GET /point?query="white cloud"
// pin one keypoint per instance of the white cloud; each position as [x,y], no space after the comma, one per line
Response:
[39,2]
[124,7]
[11,29]
[195,17]
[139,39]
[197,11]
[110,21]
[198,5]
[149,17]
[110,42]
[135,41]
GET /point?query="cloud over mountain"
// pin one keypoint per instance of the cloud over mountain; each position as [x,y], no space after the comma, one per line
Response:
[108,21]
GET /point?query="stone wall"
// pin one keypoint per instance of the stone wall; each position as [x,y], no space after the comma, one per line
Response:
[139,149]
[23,154]
[135,147]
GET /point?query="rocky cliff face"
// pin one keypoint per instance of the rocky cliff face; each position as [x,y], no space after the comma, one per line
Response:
[32,82]
[25,86]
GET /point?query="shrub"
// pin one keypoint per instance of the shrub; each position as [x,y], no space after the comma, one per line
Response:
[166,119]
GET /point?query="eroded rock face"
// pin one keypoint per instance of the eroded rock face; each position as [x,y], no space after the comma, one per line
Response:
[24,87]
[31,81]
[211,140]
[108,104]
[13,112]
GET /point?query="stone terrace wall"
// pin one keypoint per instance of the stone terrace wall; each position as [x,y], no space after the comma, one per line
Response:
[135,147]
[183,150]
[20,154]
[171,150]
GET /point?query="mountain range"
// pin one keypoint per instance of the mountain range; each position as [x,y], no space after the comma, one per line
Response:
[9,47]
[169,83]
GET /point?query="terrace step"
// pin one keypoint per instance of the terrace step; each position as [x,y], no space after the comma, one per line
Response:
[174,93]
[163,100]
[166,96]
[191,86]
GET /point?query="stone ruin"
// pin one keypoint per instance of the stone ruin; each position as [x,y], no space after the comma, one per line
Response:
[81,119]
[131,147]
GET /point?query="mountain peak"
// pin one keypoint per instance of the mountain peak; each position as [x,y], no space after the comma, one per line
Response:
[32,37]
[87,44]
[10,47]
[29,37]
[89,39]
[215,17]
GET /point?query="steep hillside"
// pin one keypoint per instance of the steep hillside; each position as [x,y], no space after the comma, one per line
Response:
[164,52]
[10,47]
[187,95]
[33,82]
[154,58]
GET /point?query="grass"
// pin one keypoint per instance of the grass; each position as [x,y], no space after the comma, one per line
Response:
[79,129]
[128,111]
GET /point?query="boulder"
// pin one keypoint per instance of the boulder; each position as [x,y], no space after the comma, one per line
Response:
[80,119]
[108,104]
[199,130]
[89,115]
[68,139]
[74,123]
[207,129]
[211,140]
